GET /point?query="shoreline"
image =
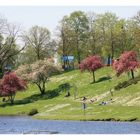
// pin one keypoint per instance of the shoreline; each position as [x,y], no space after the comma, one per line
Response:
[70,119]
[96,120]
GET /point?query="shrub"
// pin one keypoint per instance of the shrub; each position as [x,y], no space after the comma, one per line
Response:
[33,112]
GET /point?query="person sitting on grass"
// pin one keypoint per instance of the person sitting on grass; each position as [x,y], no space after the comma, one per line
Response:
[92,100]
[84,98]
[3,100]
[68,94]
[103,103]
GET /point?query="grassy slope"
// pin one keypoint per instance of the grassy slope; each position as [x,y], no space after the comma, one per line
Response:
[125,105]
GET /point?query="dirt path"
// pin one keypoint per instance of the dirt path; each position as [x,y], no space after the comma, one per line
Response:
[101,96]
[58,107]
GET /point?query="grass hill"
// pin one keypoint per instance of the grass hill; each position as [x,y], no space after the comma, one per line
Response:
[124,105]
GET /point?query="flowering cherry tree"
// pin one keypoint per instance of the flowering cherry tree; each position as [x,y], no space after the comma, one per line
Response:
[91,64]
[127,62]
[10,84]
[41,76]
[39,73]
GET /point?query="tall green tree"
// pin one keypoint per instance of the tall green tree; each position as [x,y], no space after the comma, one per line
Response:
[134,27]
[106,24]
[93,34]
[78,23]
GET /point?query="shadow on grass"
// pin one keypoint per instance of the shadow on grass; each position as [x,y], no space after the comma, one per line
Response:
[102,79]
[127,83]
[64,87]
[48,95]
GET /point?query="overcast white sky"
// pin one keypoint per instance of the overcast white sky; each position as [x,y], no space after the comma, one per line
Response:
[49,16]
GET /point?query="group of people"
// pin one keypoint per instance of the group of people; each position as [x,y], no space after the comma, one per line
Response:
[91,100]
[105,102]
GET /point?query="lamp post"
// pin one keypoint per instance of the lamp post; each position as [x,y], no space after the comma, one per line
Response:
[84,107]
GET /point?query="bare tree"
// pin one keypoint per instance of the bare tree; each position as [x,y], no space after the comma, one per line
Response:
[39,39]
[8,47]
[3,25]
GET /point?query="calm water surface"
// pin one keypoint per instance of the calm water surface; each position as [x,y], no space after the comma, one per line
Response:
[27,125]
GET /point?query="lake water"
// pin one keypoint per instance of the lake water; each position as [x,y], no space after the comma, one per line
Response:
[27,125]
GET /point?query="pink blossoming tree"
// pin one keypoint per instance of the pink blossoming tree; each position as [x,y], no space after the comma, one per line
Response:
[127,62]
[91,64]
[10,84]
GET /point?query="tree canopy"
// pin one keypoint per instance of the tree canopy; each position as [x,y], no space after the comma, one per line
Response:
[10,84]
[91,64]
[127,62]
[38,73]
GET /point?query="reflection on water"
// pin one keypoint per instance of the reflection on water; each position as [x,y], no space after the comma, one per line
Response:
[27,125]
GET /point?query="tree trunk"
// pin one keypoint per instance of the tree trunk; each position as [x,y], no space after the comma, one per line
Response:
[38,56]
[132,74]
[43,88]
[64,65]
[11,98]
[38,53]
[1,72]
[93,76]
[112,45]
[108,60]
[79,59]
[63,46]
[42,91]
[12,101]
[93,45]
[112,51]
[78,50]
[78,53]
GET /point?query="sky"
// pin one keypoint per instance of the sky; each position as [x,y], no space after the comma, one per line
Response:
[49,16]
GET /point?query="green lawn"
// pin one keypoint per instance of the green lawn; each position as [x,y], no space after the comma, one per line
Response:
[123,106]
